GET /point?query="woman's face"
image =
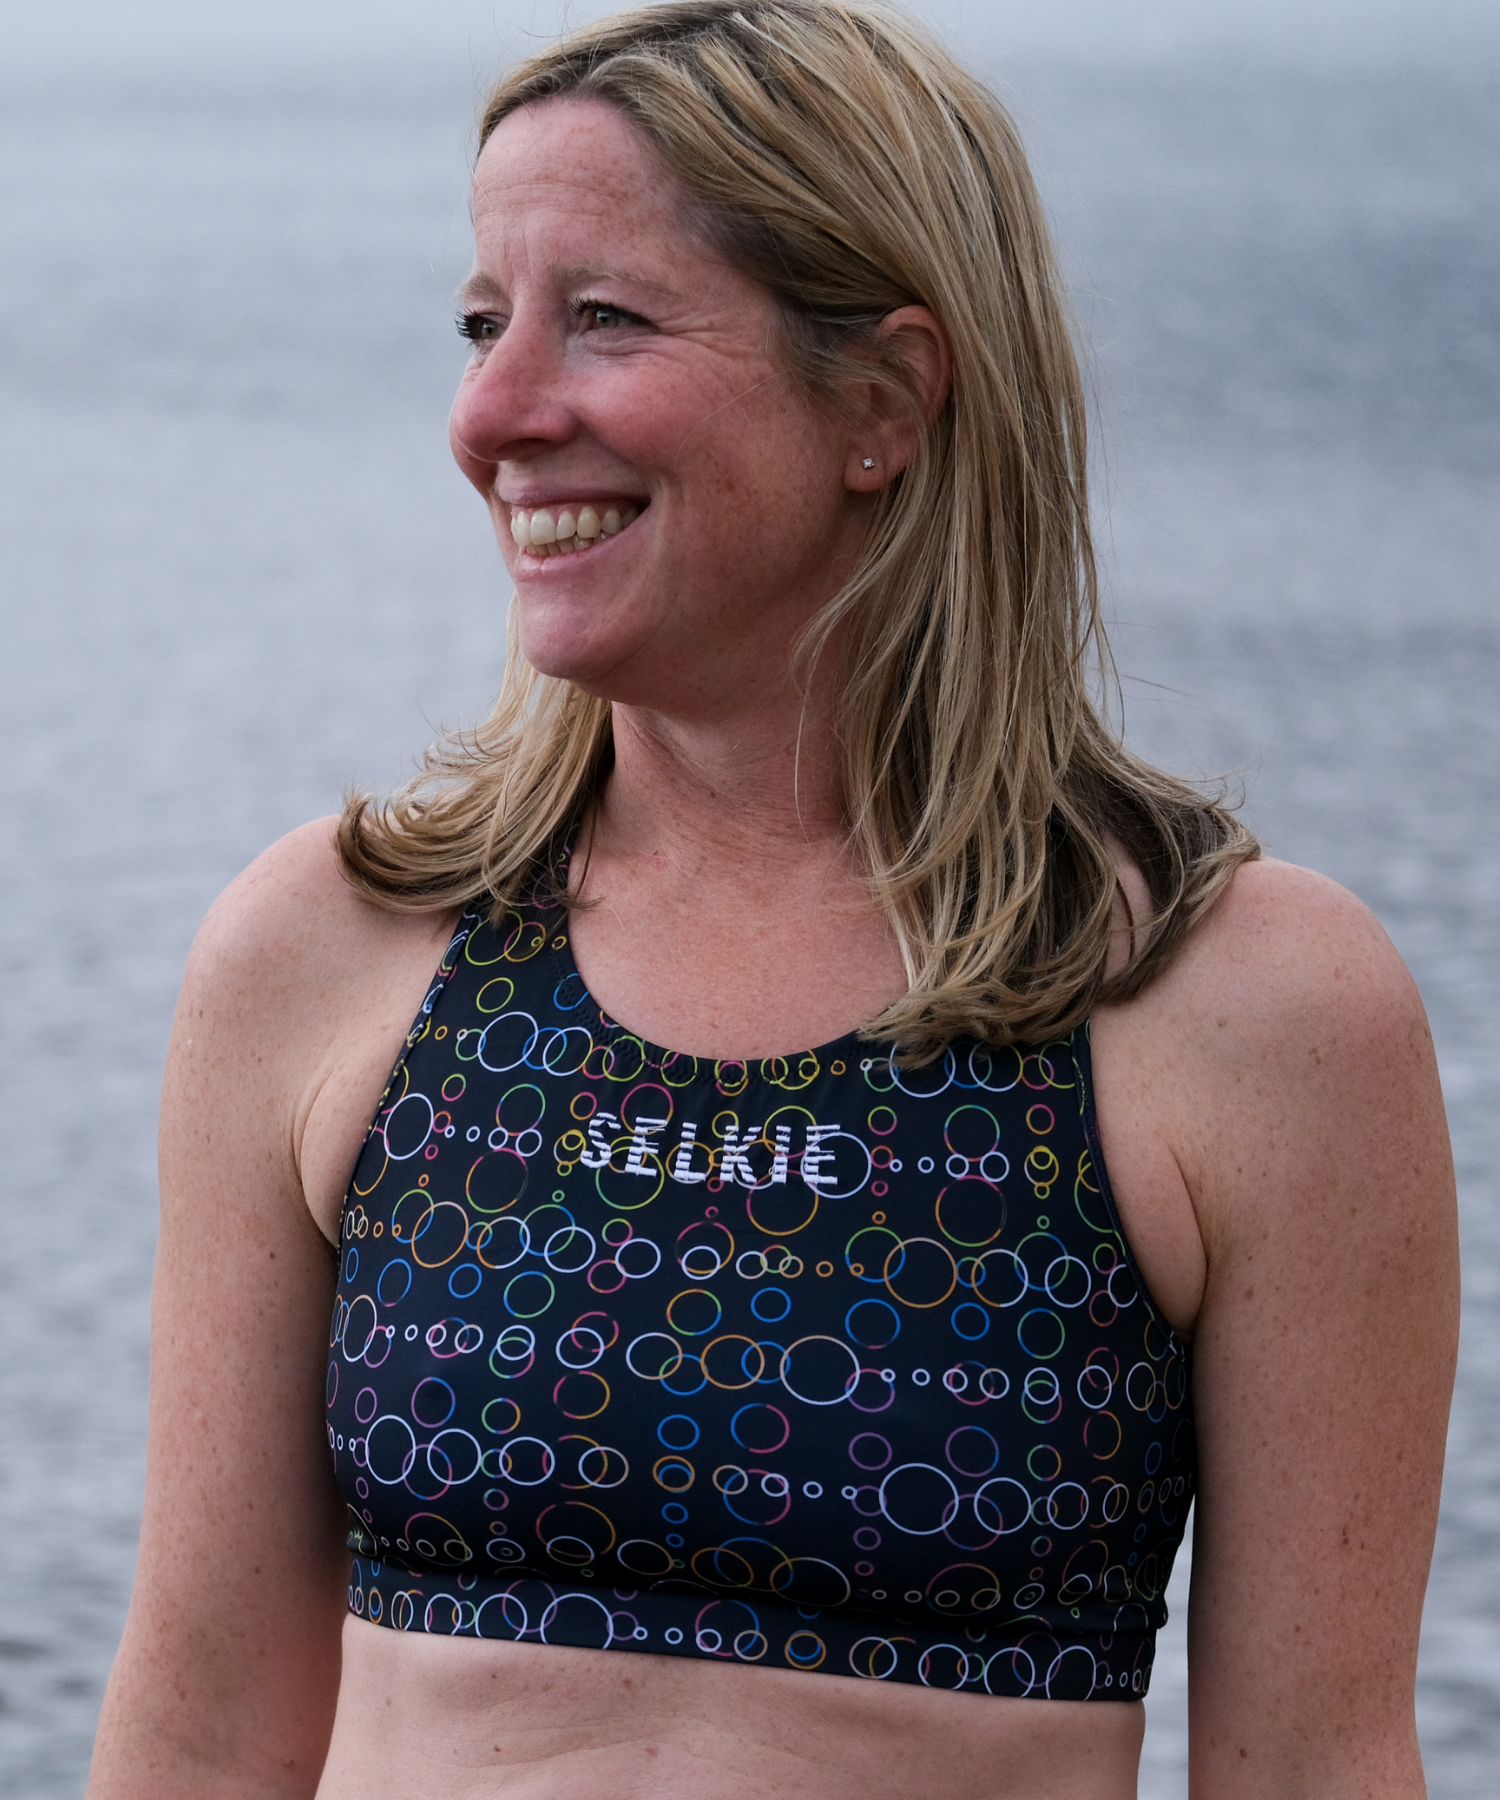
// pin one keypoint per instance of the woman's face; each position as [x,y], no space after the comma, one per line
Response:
[622,368]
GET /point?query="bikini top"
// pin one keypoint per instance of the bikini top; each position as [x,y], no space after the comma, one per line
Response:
[816,1362]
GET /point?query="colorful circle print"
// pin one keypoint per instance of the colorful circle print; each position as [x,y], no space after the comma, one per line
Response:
[819,1362]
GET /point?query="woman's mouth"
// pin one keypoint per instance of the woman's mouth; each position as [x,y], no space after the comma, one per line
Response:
[559,530]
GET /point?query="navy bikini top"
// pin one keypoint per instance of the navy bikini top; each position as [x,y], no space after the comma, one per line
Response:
[817,1362]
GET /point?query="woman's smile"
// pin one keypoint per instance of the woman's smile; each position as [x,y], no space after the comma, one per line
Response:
[557,530]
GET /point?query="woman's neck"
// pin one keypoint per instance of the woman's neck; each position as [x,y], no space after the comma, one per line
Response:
[725,911]
[740,794]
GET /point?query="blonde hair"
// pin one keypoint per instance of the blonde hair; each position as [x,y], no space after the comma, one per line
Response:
[839,156]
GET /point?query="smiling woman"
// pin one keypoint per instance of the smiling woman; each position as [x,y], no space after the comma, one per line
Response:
[869,1151]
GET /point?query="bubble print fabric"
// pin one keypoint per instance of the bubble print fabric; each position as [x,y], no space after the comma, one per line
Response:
[814,1363]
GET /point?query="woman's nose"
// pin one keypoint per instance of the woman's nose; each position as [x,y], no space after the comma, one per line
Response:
[509,400]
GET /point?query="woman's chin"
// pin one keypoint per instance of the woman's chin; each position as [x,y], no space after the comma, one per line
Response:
[579,657]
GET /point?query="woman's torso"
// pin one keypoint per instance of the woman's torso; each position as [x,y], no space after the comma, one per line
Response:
[405,1693]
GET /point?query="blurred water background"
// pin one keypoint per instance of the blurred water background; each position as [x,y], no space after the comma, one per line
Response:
[237,571]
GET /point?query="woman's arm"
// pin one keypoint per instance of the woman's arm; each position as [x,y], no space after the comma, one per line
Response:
[228,1672]
[1310,1134]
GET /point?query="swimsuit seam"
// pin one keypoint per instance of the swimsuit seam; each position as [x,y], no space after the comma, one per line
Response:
[442,978]
[1084,1065]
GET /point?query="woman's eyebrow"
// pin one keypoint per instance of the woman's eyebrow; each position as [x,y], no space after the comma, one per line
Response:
[478,287]
[588,274]
[482,287]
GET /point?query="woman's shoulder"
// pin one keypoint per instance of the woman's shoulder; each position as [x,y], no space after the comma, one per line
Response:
[289,896]
[1286,1012]
[1286,955]
[1282,1054]
[1287,1036]
[292,919]
[291,960]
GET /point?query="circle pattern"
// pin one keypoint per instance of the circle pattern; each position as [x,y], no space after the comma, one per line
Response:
[816,1362]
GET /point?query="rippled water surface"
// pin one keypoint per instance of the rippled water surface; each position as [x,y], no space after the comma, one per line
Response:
[237,572]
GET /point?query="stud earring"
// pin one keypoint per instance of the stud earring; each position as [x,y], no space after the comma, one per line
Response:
[869,462]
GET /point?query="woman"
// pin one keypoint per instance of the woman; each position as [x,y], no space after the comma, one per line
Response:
[677,1367]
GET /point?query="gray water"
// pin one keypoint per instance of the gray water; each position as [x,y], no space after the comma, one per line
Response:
[238,572]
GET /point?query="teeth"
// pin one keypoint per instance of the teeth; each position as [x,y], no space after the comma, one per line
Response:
[546,534]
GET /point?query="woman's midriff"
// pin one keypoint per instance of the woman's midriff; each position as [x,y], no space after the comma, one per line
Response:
[436,1718]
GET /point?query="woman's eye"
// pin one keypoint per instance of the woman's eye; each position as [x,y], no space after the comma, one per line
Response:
[478,328]
[596,316]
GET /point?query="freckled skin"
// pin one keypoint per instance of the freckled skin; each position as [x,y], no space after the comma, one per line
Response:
[1274,1085]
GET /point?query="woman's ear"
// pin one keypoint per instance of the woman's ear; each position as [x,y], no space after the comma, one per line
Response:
[890,418]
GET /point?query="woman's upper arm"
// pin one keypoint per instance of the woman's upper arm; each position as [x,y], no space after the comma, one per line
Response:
[1318,1159]
[228,1671]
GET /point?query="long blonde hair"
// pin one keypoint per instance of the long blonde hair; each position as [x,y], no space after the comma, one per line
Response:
[835,153]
